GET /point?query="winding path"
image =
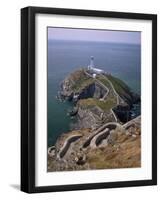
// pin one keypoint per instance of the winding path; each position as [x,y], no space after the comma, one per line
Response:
[94,139]
[109,125]
[100,83]
[116,119]
[67,144]
[118,98]
[101,133]
[131,122]
[99,137]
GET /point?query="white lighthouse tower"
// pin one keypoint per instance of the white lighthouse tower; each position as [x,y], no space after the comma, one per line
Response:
[92,62]
[91,65]
[92,69]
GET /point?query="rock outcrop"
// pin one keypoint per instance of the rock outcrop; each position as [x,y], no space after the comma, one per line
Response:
[103,134]
[98,100]
[112,146]
[79,86]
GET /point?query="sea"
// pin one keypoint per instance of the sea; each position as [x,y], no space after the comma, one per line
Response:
[121,60]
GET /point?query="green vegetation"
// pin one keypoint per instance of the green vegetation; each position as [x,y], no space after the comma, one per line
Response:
[121,88]
[104,105]
[107,105]
[80,80]
[82,83]
[103,80]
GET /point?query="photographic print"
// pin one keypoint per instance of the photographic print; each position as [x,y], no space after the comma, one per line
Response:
[88,99]
[93,99]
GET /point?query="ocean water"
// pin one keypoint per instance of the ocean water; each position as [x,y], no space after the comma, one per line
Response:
[121,60]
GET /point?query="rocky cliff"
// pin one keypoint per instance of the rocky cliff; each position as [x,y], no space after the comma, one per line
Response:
[103,135]
[98,99]
[79,86]
[110,146]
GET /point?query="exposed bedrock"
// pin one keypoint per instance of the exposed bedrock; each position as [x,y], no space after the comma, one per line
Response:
[99,91]
[66,90]
[86,92]
[89,117]
[93,90]
[93,113]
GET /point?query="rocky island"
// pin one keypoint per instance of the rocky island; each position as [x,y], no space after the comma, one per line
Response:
[105,132]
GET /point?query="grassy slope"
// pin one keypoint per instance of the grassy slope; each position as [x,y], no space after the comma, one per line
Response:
[104,105]
[121,88]
[127,150]
[125,153]
[81,80]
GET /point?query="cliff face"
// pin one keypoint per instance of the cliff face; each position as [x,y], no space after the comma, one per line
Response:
[79,86]
[95,97]
[101,138]
[111,146]
[99,91]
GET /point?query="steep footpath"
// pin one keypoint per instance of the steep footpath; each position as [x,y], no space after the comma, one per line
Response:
[110,146]
[100,139]
[98,99]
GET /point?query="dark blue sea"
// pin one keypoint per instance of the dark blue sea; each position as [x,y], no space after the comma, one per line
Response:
[121,60]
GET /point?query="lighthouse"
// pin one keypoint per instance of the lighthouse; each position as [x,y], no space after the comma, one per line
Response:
[92,69]
[91,62]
